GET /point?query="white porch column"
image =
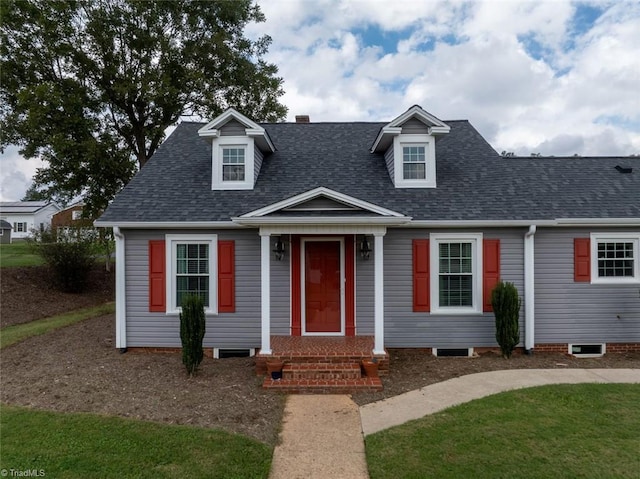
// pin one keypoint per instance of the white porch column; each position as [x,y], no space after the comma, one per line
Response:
[529,293]
[378,256]
[121,307]
[265,292]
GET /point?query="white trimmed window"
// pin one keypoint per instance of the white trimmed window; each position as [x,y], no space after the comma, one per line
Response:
[414,159]
[233,161]
[191,269]
[456,272]
[20,227]
[76,215]
[615,258]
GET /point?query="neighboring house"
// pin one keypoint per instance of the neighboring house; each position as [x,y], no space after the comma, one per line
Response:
[5,232]
[396,232]
[70,220]
[26,216]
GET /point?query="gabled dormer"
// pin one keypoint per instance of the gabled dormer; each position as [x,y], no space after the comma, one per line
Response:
[409,147]
[237,148]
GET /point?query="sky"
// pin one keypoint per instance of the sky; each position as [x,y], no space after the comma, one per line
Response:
[553,77]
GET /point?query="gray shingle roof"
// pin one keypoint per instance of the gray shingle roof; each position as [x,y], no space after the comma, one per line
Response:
[474,183]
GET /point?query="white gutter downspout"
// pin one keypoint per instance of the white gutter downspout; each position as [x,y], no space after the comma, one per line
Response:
[121,312]
[529,290]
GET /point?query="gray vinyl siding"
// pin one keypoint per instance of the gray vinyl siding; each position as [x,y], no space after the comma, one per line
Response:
[233,128]
[407,329]
[225,330]
[389,160]
[414,127]
[257,163]
[281,291]
[365,294]
[570,312]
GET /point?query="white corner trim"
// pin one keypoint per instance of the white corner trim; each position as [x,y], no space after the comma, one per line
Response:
[378,305]
[121,289]
[265,294]
[321,191]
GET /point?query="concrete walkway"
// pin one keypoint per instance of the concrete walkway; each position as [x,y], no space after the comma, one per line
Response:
[436,397]
[321,437]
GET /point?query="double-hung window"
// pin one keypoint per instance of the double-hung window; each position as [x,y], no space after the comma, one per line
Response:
[614,258]
[233,163]
[414,162]
[456,271]
[20,227]
[191,268]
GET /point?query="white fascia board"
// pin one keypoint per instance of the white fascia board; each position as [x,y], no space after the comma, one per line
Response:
[384,131]
[165,224]
[224,118]
[328,220]
[209,133]
[321,191]
[477,223]
[422,115]
[598,221]
[261,133]
[439,130]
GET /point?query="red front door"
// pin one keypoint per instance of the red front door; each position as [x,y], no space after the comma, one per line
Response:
[322,287]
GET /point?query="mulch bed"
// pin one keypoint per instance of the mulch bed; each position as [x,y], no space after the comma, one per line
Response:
[78,369]
[26,294]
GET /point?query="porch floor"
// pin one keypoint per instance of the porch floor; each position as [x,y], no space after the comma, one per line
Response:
[322,346]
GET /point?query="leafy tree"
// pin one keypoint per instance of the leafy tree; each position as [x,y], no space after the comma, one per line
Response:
[90,86]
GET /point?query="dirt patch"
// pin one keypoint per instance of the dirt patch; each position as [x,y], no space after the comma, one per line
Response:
[412,369]
[78,369]
[26,295]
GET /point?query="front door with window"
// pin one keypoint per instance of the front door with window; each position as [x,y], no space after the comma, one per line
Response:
[322,287]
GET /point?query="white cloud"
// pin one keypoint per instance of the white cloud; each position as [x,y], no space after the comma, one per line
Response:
[16,174]
[525,73]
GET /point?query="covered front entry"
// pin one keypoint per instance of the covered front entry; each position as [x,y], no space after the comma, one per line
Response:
[323,298]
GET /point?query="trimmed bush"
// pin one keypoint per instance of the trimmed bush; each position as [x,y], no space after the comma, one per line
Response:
[506,308]
[192,327]
[70,258]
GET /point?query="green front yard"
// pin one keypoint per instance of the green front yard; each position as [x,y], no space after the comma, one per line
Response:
[18,254]
[563,431]
[90,446]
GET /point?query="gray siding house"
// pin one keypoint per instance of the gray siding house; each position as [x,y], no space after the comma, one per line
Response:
[395,232]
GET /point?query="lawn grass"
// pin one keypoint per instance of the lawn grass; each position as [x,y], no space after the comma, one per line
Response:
[561,431]
[19,253]
[13,334]
[84,445]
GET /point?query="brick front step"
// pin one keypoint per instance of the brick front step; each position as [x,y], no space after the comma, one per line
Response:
[323,386]
[321,371]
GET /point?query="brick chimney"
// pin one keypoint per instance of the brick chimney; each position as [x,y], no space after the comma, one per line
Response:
[302,118]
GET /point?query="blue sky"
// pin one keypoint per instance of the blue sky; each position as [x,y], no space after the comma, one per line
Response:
[552,77]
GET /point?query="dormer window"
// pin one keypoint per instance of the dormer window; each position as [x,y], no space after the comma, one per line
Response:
[414,159]
[238,146]
[414,163]
[233,164]
[409,147]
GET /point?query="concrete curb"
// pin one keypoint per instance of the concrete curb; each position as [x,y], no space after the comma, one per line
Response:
[436,397]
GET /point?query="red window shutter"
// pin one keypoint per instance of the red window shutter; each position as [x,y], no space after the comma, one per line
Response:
[157,283]
[421,292]
[582,260]
[226,277]
[491,270]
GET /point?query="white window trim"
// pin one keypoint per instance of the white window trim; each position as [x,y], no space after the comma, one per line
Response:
[232,142]
[428,141]
[476,244]
[615,238]
[76,215]
[171,242]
